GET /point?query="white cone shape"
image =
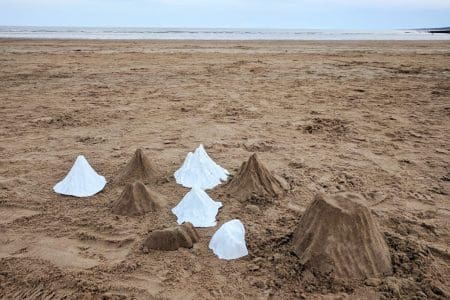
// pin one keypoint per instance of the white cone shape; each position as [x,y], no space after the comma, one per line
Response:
[81,181]
[198,208]
[228,242]
[200,170]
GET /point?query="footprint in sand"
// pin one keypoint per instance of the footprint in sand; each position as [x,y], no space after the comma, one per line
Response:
[10,214]
[64,252]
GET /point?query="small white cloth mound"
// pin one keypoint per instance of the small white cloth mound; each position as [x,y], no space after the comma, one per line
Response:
[228,242]
[200,170]
[81,181]
[198,208]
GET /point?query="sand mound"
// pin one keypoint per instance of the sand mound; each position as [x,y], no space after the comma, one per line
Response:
[338,236]
[172,238]
[136,199]
[138,168]
[255,180]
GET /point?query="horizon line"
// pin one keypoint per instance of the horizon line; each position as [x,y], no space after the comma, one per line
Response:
[231,27]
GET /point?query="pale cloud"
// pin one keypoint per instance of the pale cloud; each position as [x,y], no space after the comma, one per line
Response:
[388,3]
[229,13]
[298,3]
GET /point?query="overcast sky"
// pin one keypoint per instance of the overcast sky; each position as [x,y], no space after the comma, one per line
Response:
[314,14]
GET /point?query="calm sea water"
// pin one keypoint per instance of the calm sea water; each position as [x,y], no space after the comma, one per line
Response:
[212,34]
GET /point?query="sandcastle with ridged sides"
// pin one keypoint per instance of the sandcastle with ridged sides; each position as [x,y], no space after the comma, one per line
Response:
[337,235]
[254,179]
[139,168]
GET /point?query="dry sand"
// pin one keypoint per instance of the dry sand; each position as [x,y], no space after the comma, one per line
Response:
[367,117]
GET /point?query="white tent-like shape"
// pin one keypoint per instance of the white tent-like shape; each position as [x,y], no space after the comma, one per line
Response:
[228,242]
[200,170]
[81,181]
[197,208]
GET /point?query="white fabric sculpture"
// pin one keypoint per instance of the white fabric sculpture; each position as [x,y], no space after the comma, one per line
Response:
[198,208]
[81,181]
[200,170]
[228,242]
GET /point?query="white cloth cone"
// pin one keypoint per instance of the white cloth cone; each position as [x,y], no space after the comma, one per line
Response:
[198,208]
[81,181]
[200,170]
[228,242]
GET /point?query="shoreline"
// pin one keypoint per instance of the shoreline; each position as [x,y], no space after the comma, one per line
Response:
[226,40]
[223,41]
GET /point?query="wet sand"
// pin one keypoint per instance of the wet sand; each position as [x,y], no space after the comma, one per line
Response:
[367,117]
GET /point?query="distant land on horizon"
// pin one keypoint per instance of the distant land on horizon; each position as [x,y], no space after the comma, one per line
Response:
[437,29]
[447,28]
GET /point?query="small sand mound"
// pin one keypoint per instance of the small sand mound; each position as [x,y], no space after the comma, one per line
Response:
[254,180]
[172,238]
[139,168]
[136,200]
[338,236]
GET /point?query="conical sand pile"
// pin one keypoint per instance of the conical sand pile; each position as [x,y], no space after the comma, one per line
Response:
[136,200]
[253,178]
[138,168]
[338,235]
[172,238]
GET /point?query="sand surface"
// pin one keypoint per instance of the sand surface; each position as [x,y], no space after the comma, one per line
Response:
[367,117]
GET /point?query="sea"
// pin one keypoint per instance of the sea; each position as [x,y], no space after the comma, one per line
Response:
[211,34]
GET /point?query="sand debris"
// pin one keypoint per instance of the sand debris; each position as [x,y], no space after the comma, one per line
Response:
[81,181]
[171,239]
[254,180]
[136,199]
[337,235]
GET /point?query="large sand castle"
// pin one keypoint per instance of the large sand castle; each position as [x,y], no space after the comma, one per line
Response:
[337,234]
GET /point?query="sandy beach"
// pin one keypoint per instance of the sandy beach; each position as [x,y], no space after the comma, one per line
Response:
[367,117]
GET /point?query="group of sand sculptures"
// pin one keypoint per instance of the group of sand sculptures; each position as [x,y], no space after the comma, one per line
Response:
[336,235]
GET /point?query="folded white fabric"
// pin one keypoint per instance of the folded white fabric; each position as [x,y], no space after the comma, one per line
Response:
[228,242]
[81,181]
[200,170]
[197,208]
